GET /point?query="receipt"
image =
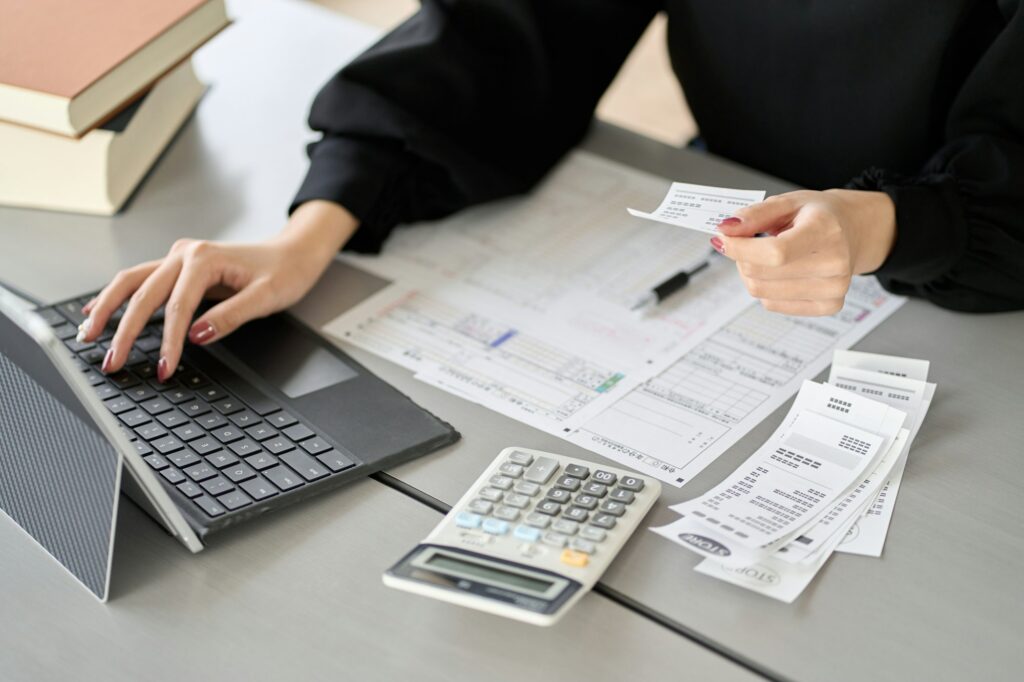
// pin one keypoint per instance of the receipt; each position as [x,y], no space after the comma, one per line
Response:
[699,207]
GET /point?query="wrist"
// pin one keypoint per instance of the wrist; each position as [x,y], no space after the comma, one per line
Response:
[872,225]
[316,231]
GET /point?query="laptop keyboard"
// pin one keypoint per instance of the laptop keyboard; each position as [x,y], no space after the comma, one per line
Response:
[219,451]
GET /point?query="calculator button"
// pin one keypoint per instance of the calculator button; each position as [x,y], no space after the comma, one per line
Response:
[558,495]
[568,483]
[595,489]
[480,506]
[527,533]
[571,557]
[491,494]
[527,488]
[501,482]
[516,500]
[622,495]
[495,526]
[541,470]
[581,545]
[575,514]
[538,520]
[577,470]
[523,458]
[606,521]
[592,533]
[605,477]
[467,520]
[588,502]
[612,507]
[632,483]
[511,469]
[549,507]
[555,539]
[506,513]
[565,526]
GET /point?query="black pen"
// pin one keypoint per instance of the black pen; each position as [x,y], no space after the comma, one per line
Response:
[670,286]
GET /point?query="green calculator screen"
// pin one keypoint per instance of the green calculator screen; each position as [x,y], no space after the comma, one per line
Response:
[516,580]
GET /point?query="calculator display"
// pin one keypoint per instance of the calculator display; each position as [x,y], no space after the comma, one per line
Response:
[514,580]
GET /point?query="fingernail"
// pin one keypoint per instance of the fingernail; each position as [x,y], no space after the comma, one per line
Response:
[88,306]
[161,370]
[107,359]
[730,221]
[719,246]
[83,329]
[201,332]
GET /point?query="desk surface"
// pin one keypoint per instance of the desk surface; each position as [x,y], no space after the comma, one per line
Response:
[937,605]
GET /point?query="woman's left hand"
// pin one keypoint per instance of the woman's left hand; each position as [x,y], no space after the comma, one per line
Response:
[815,243]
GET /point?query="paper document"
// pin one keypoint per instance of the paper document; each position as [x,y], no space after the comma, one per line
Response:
[699,207]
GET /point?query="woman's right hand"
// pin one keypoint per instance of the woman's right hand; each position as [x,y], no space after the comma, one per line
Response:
[253,279]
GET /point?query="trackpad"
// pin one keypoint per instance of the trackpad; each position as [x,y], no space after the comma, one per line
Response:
[292,361]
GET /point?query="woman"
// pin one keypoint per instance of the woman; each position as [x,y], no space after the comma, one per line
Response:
[904,117]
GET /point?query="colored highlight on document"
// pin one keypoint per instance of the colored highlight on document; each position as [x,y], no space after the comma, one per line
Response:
[611,381]
[503,338]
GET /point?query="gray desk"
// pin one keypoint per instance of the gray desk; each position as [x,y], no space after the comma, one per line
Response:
[940,604]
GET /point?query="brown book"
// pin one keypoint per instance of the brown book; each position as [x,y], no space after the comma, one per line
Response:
[66,65]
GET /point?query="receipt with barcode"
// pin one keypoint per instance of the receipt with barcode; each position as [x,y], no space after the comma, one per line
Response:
[699,207]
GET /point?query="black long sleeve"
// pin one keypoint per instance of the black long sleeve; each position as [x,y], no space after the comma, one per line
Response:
[467,101]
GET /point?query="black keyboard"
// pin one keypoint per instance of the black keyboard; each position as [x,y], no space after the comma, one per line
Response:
[222,452]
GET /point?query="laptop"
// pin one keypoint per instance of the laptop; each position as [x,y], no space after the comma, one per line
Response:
[269,416]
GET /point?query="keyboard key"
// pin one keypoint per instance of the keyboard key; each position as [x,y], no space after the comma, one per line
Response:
[147,343]
[261,432]
[238,472]
[173,476]
[147,371]
[217,485]
[577,471]
[142,447]
[135,357]
[167,444]
[182,458]
[245,418]
[315,445]
[622,495]
[468,520]
[106,391]
[119,405]
[526,533]
[334,460]
[221,458]
[123,379]
[211,421]
[65,331]
[156,406]
[179,395]
[52,317]
[78,346]
[281,419]
[212,393]
[151,431]
[134,418]
[194,408]
[632,483]
[298,432]
[283,477]
[244,447]
[140,393]
[575,513]
[261,460]
[205,445]
[606,521]
[278,445]
[200,472]
[96,379]
[259,489]
[495,526]
[235,500]
[228,405]
[72,310]
[604,477]
[228,434]
[541,470]
[189,432]
[93,356]
[192,380]
[558,495]
[309,468]
[172,419]
[209,505]
[156,461]
[190,489]
[568,483]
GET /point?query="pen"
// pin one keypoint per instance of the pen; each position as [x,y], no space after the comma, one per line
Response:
[670,286]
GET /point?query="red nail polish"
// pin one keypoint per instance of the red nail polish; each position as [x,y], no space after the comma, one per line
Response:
[107,359]
[201,332]
[161,370]
[730,221]
[719,246]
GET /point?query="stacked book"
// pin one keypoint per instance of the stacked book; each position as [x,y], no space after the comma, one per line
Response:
[92,93]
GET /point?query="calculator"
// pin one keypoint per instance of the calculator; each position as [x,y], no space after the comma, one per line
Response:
[530,537]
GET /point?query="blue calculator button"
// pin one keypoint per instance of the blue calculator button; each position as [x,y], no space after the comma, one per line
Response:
[495,526]
[527,533]
[467,520]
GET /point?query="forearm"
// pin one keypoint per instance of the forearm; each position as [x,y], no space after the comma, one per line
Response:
[316,231]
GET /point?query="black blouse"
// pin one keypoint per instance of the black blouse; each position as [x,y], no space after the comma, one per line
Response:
[471,100]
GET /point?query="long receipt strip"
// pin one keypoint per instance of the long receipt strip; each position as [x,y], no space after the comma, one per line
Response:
[773,524]
[699,207]
[523,307]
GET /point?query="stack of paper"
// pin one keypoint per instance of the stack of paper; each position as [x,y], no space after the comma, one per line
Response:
[833,465]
